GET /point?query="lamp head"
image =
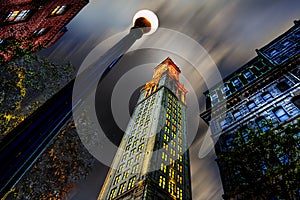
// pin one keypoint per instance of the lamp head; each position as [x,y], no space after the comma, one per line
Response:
[146,20]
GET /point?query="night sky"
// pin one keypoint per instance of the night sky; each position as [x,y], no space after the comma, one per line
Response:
[229,30]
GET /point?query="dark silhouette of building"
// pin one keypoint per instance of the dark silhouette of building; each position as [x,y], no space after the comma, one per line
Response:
[266,89]
[151,162]
[35,23]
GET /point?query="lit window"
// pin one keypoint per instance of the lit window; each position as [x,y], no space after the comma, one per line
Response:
[134,169]
[165,146]
[138,157]
[168,123]
[129,163]
[251,105]
[121,168]
[179,140]
[141,147]
[249,75]
[163,167]
[59,10]
[167,130]
[179,148]
[125,175]
[124,157]
[164,156]
[133,151]
[179,167]
[135,143]
[171,188]
[281,114]
[127,147]
[142,139]
[179,193]
[174,128]
[17,16]
[162,182]
[130,139]
[173,152]
[113,193]
[180,158]
[166,138]
[1,41]
[179,133]
[266,96]
[179,179]
[122,188]
[131,183]
[171,173]
[237,115]
[117,180]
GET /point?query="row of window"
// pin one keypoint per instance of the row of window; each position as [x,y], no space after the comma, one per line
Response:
[23,15]
[122,188]
[172,189]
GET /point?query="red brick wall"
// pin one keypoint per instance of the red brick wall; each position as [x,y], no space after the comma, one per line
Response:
[40,18]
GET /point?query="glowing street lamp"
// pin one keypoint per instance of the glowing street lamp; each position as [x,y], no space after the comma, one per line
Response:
[145,22]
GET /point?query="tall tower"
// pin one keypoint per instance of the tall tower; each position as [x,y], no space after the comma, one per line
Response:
[152,161]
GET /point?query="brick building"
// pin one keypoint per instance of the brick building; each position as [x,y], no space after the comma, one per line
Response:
[36,23]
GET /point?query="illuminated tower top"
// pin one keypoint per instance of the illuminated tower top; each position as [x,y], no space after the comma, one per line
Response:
[165,74]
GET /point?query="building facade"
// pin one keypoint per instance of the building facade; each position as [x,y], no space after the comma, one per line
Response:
[266,89]
[152,161]
[35,23]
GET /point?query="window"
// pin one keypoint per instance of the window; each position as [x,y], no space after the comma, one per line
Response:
[179,167]
[262,123]
[249,75]
[59,10]
[237,115]
[266,96]
[40,32]
[180,149]
[17,16]
[121,168]
[129,163]
[179,179]
[130,139]
[133,151]
[127,147]
[168,123]
[237,83]
[296,101]
[124,157]
[141,146]
[173,152]
[165,146]
[282,86]
[164,156]
[125,175]
[163,167]
[171,173]
[135,168]
[162,182]
[273,52]
[179,140]
[166,137]
[113,193]
[131,183]
[122,188]
[117,179]
[171,188]
[138,157]
[251,105]
[281,114]
[179,193]
[180,158]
